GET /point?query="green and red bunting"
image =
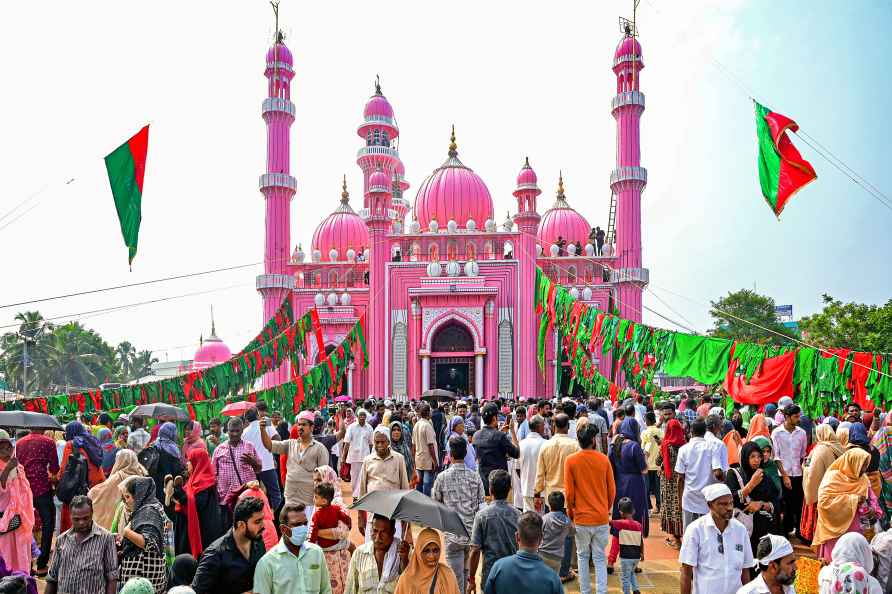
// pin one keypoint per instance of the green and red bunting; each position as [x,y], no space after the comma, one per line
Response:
[126,167]
[278,323]
[782,170]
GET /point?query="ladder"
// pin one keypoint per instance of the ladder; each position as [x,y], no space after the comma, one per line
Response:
[611,220]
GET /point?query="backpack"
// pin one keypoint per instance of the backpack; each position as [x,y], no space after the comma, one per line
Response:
[74,479]
[149,459]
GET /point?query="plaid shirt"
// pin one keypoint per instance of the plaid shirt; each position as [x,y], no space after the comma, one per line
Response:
[690,415]
[230,477]
[459,489]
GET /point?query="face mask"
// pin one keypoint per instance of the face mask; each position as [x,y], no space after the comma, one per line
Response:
[298,535]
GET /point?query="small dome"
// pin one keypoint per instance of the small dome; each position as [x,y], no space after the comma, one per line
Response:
[279,53]
[629,46]
[212,351]
[341,231]
[377,106]
[452,192]
[378,180]
[562,221]
[526,177]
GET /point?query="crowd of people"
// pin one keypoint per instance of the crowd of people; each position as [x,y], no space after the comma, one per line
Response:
[550,488]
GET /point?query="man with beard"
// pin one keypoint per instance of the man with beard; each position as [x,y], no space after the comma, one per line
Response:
[715,554]
[382,470]
[305,455]
[376,565]
[227,565]
[777,563]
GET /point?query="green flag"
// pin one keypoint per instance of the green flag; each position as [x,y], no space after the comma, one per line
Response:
[126,167]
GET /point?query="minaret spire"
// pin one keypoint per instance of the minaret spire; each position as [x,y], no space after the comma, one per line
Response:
[453,148]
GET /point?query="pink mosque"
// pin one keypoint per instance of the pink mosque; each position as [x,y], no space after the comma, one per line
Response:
[446,290]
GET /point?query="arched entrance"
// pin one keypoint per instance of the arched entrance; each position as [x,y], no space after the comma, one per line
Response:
[452,358]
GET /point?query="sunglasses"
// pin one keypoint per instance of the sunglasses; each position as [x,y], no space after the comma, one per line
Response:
[721,545]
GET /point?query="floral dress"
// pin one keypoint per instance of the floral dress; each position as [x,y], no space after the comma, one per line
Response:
[670,519]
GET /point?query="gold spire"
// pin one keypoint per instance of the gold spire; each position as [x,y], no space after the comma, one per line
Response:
[345,196]
[453,148]
[560,190]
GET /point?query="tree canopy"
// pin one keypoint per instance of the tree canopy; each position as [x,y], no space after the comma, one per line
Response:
[856,326]
[747,315]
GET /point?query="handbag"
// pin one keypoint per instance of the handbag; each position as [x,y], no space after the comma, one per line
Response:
[741,516]
[14,524]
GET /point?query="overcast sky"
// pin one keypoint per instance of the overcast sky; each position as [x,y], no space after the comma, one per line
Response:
[516,79]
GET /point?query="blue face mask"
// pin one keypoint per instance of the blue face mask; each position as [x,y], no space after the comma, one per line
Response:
[298,535]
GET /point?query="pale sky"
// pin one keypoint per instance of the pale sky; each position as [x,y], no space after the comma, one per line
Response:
[516,79]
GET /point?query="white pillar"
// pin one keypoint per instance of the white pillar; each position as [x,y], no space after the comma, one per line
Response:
[350,381]
[425,373]
[478,376]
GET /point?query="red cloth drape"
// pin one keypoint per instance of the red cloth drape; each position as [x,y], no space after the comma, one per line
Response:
[768,384]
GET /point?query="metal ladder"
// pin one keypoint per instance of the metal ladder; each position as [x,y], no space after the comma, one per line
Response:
[611,220]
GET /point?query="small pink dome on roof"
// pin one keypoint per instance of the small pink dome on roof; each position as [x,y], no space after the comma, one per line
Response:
[627,47]
[452,192]
[379,179]
[378,105]
[279,53]
[527,176]
[562,221]
[212,351]
[341,230]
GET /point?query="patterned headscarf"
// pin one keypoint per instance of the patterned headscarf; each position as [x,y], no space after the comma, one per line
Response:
[138,585]
[167,439]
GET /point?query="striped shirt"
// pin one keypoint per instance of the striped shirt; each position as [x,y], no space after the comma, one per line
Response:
[84,567]
[459,489]
[362,575]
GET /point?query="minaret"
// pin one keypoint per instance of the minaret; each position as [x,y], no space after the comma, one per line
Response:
[377,219]
[379,131]
[527,220]
[629,178]
[278,187]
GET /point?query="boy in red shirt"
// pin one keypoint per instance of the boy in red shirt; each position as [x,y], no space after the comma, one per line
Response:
[627,543]
[326,514]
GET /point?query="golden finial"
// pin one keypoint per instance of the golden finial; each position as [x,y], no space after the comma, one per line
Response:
[560,190]
[344,194]
[377,84]
[453,148]
[526,163]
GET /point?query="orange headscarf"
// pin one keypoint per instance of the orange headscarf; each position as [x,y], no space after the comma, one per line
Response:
[733,443]
[758,426]
[842,488]
[418,576]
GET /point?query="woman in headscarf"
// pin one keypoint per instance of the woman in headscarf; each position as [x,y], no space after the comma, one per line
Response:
[170,463]
[77,438]
[106,495]
[670,518]
[426,573]
[844,500]
[122,433]
[753,492]
[17,509]
[827,449]
[851,563]
[199,521]
[337,556]
[733,442]
[107,443]
[629,467]
[270,536]
[842,434]
[193,439]
[758,426]
[137,585]
[882,441]
[457,429]
[858,439]
[142,554]
[399,442]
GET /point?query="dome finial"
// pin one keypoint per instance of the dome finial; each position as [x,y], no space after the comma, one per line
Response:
[453,148]
[345,196]
[560,190]
[213,327]
[526,163]
[377,84]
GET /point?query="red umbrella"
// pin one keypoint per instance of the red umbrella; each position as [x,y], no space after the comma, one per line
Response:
[237,409]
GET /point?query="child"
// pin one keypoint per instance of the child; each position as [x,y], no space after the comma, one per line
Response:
[557,533]
[626,541]
[326,514]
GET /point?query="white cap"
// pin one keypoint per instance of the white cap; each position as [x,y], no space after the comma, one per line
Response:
[780,547]
[713,492]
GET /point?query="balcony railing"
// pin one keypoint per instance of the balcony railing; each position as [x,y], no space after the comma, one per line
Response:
[377,150]
[623,174]
[627,98]
[630,275]
[379,119]
[278,180]
[271,104]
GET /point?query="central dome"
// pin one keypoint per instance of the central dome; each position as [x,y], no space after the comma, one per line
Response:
[562,221]
[212,351]
[452,192]
[341,230]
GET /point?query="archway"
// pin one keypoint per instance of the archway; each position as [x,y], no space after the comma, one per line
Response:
[343,387]
[452,354]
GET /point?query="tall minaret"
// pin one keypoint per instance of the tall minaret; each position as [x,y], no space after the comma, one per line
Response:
[379,131]
[378,201]
[629,178]
[278,187]
[527,219]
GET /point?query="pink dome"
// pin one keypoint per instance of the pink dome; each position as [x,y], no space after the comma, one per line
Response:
[379,179]
[562,221]
[452,192]
[627,47]
[280,51]
[527,177]
[212,351]
[399,174]
[341,230]
[378,106]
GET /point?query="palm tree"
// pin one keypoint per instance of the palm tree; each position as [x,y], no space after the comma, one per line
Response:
[25,351]
[142,364]
[125,353]
[74,360]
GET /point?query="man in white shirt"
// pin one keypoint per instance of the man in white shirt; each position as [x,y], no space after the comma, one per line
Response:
[267,473]
[699,466]
[716,555]
[777,563]
[529,457]
[357,445]
[790,444]
[714,438]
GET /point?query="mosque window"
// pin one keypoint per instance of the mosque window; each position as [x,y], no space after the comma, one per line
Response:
[451,250]
[377,137]
[350,280]
[415,251]
[589,274]
[433,252]
[487,250]
[368,138]
[571,275]
[553,273]
[386,138]
[333,278]
[470,251]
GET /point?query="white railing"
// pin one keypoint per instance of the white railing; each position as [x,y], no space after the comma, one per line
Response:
[630,275]
[627,98]
[379,119]
[377,150]
[275,281]
[278,104]
[622,174]
[278,180]
[626,58]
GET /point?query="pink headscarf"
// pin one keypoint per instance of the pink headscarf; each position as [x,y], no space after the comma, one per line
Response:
[193,440]
[16,551]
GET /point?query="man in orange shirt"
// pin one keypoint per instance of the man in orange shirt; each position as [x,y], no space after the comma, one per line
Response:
[588,479]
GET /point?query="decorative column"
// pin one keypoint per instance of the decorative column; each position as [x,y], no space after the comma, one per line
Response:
[478,376]
[525,329]
[425,372]
[378,222]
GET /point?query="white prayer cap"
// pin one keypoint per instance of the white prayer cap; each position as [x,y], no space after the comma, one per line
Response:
[362,412]
[713,492]
[780,547]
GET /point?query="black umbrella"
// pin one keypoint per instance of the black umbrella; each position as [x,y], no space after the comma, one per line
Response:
[412,506]
[21,419]
[438,395]
[160,411]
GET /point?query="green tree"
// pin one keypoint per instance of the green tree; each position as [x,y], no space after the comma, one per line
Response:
[747,315]
[74,361]
[31,338]
[125,354]
[142,364]
[850,325]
